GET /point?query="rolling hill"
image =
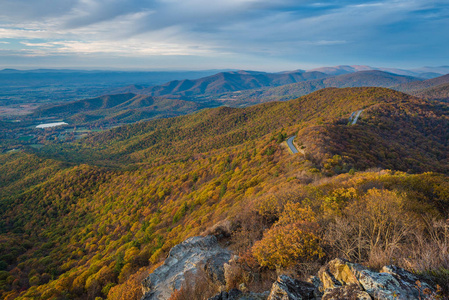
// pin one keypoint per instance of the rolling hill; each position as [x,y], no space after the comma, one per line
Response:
[90,218]
[226,126]
[439,92]
[294,90]
[119,108]
[51,86]
[425,72]
[171,99]
[238,88]
[414,87]
[229,81]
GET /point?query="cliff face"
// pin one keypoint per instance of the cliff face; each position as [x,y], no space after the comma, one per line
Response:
[338,279]
[186,259]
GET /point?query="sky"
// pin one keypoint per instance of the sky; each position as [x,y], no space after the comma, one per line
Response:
[266,35]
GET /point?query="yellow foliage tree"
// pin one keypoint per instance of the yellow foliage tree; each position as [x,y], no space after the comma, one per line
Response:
[290,240]
[283,246]
[296,213]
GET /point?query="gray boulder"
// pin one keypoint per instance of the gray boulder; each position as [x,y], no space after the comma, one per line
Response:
[287,288]
[233,294]
[186,259]
[391,283]
[236,294]
[347,292]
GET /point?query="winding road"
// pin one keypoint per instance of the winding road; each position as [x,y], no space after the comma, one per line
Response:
[291,146]
[354,119]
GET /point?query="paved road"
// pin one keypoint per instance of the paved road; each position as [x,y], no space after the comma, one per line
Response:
[356,116]
[291,146]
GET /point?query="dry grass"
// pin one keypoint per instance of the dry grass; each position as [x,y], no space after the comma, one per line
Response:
[197,286]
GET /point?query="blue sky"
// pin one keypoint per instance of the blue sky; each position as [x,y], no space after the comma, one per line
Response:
[215,34]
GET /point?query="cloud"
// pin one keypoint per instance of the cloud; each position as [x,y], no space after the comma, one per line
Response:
[287,29]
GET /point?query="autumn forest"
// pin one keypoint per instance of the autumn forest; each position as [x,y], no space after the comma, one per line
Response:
[90,218]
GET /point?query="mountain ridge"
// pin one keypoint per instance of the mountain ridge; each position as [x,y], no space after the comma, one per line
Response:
[89,218]
[228,81]
[118,108]
[429,83]
[225,126]
[357,79]
[439,92]
[424,72]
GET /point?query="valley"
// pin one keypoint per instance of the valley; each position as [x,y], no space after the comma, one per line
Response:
[140,103]
[224,150]
[91,208]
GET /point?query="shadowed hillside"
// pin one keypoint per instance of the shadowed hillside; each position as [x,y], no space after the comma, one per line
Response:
[410,136]
[413,87]
[439,92]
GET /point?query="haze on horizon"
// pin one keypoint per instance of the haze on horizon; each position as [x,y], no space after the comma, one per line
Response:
[217,34]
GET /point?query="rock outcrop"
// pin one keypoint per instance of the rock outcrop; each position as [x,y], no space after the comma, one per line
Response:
[235,294]
[189,257]
[338,279]
[390,283]
[291,289]
[351,291]
[341,279]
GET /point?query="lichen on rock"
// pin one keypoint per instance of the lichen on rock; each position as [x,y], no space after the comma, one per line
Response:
[185,258]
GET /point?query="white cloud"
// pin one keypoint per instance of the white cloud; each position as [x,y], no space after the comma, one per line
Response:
[210,27]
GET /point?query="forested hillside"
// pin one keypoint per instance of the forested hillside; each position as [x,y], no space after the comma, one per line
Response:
[412,87]
[439,92]
[294,90]
[118,108]
[228,82]
[221,127]
[91,218]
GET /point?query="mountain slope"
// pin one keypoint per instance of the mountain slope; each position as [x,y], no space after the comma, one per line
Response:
[411,87]
[229,81]
[410,136]
[80,231]
[291,91]
[426,72]
[123,108]
[439,92]
[225,127]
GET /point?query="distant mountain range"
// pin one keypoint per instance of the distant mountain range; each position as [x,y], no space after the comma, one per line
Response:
[424,72]
[294,84]
[234,88]
[46,86]
[229,81]
[291,91]
[435,88]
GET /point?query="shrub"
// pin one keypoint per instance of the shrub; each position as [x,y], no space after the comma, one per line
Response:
[197,286]
[284,246]
[296,213]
